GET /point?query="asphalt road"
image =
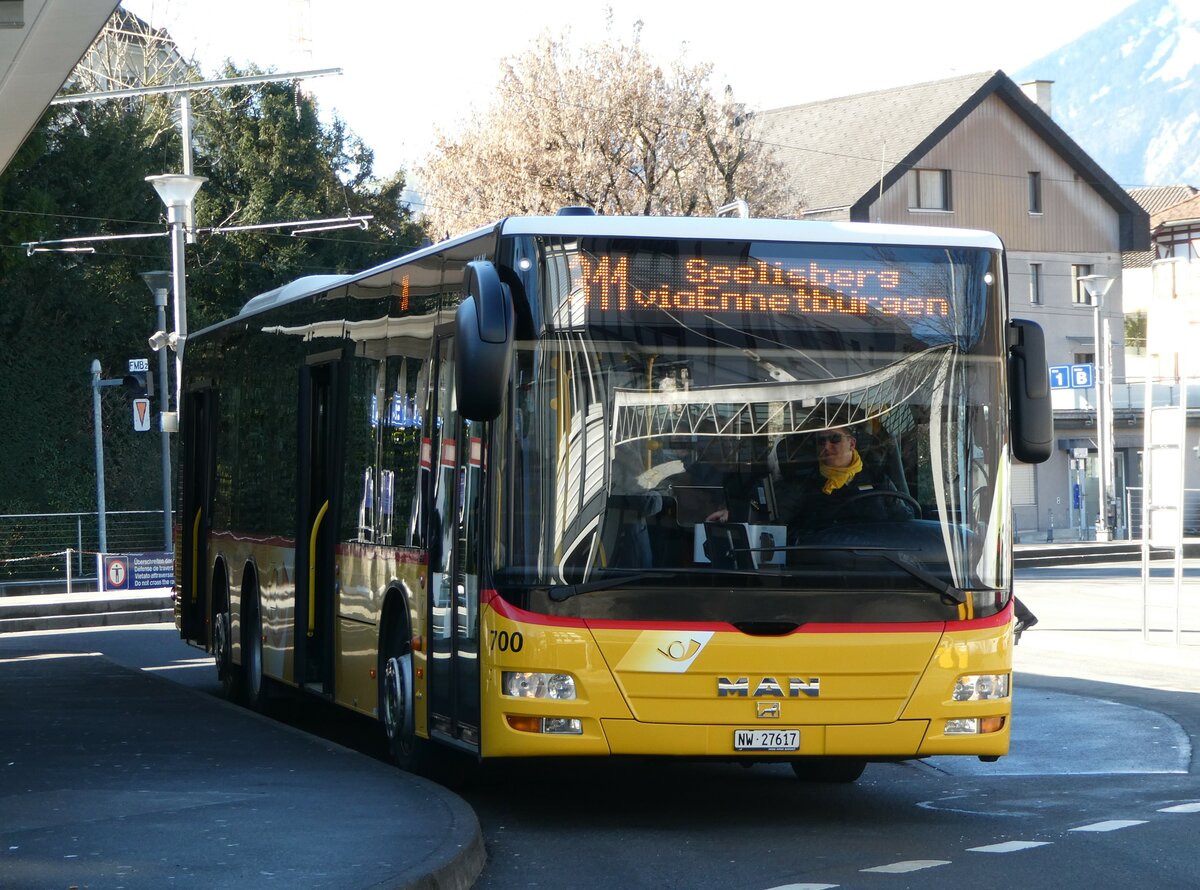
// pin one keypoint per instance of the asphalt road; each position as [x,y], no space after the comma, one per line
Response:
[1102,788]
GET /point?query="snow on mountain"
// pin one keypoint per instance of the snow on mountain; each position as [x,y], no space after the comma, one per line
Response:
[1129,92]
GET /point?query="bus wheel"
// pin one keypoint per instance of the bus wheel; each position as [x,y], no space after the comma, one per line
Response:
[396,705]
[227,671]
[254,686]
[829,769]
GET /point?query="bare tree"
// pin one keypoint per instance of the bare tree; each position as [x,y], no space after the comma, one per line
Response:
[606,127]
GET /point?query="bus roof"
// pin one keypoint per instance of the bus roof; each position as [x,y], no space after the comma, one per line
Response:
[691,227]
[733,229]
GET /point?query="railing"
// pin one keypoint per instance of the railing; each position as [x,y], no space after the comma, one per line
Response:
[1191,512]
[40,549]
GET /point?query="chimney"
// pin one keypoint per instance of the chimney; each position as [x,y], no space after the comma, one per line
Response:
[1038,92]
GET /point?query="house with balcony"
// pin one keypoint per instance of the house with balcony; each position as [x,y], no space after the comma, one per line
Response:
[982,152]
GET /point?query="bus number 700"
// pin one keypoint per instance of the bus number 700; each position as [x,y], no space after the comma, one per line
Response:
[506,642]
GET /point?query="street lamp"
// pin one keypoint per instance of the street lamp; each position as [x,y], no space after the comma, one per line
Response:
[177,191]
[159,284]
[1097,287]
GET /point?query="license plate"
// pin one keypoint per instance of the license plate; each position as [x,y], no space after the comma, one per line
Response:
[766,740]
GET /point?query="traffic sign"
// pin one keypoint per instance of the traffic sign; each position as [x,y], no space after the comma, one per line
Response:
[141,415]
[1060,376]
[1083,376]
[138,364]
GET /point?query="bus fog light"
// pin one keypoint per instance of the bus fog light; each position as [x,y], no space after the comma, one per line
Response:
[525,684]
[963,726]
[562,725]
[546,725]
[981,687]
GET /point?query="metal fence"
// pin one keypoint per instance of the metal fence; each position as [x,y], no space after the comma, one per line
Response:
[39,549]
[1191,512]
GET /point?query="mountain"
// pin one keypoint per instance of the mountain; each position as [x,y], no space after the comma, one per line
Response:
[1129,92]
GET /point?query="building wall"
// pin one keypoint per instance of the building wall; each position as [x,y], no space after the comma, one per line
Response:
[990,155]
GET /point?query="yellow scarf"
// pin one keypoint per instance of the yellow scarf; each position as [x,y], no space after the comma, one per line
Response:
[836,477]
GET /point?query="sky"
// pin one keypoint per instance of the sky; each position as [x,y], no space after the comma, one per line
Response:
[412,68]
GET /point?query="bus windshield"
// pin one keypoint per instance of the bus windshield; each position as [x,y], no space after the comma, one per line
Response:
[707,415]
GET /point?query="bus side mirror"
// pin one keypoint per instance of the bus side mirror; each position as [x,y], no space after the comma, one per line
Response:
[483,343]
[1030,414]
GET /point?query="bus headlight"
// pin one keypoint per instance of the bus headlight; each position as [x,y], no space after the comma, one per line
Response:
[525,684]
[981,687]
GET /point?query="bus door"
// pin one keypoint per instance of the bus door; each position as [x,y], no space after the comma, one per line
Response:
[195,513]
[453,575]
[317,479]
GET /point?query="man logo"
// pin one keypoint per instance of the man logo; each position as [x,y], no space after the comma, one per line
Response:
[796,686]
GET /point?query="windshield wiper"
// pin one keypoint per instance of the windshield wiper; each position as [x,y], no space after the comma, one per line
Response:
[561,592]
[900,560]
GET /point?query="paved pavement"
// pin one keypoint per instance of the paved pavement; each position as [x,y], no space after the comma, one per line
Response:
[111,777]
[1090,625]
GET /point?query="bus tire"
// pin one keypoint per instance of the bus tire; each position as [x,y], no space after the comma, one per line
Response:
[254,683]
[837,770]
[228,673]
[397,703]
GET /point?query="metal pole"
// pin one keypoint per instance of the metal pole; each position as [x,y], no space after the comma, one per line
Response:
[1102,533]
[96,421]
[185,134]
[177,216]
[164,403]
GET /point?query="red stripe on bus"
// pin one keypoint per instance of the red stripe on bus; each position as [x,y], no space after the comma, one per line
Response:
[508,610]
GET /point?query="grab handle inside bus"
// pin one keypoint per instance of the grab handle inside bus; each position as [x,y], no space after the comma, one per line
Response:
[483,343]
[1030,412]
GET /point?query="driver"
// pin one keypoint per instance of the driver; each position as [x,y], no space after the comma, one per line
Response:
[833,484]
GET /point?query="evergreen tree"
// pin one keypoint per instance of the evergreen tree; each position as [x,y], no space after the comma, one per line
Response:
[82,172]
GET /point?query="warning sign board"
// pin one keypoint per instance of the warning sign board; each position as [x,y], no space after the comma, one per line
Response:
[137,571]
[141,415]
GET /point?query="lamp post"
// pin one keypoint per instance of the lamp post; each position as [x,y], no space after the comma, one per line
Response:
[177,191]
[1097,287]
[159,283]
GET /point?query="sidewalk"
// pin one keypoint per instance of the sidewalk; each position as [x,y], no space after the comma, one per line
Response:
[1090,626]
[113,777]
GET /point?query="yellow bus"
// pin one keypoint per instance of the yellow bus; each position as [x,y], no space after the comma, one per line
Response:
[565,486]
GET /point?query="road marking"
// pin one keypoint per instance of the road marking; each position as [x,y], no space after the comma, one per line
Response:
[1182,808]
[1008,847]
[49,656]
[806,887]
[185,663]
[1110,825]
[901,868]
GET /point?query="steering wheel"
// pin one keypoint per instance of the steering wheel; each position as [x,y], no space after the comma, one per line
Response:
[838,509]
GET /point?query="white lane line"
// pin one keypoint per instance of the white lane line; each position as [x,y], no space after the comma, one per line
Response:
[901,868]
[805,887]
[1008,847]
[182,663]
[1110,825]
[50,656]
[1182,808]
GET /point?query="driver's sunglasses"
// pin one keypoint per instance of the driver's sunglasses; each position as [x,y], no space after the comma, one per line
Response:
[831,438]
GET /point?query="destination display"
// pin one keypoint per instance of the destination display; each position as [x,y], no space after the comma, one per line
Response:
[622,283]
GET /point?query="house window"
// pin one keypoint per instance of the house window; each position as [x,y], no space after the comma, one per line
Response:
[1035,192]
[1035,283]
[929,190]
[1085,358]
[1079,293]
